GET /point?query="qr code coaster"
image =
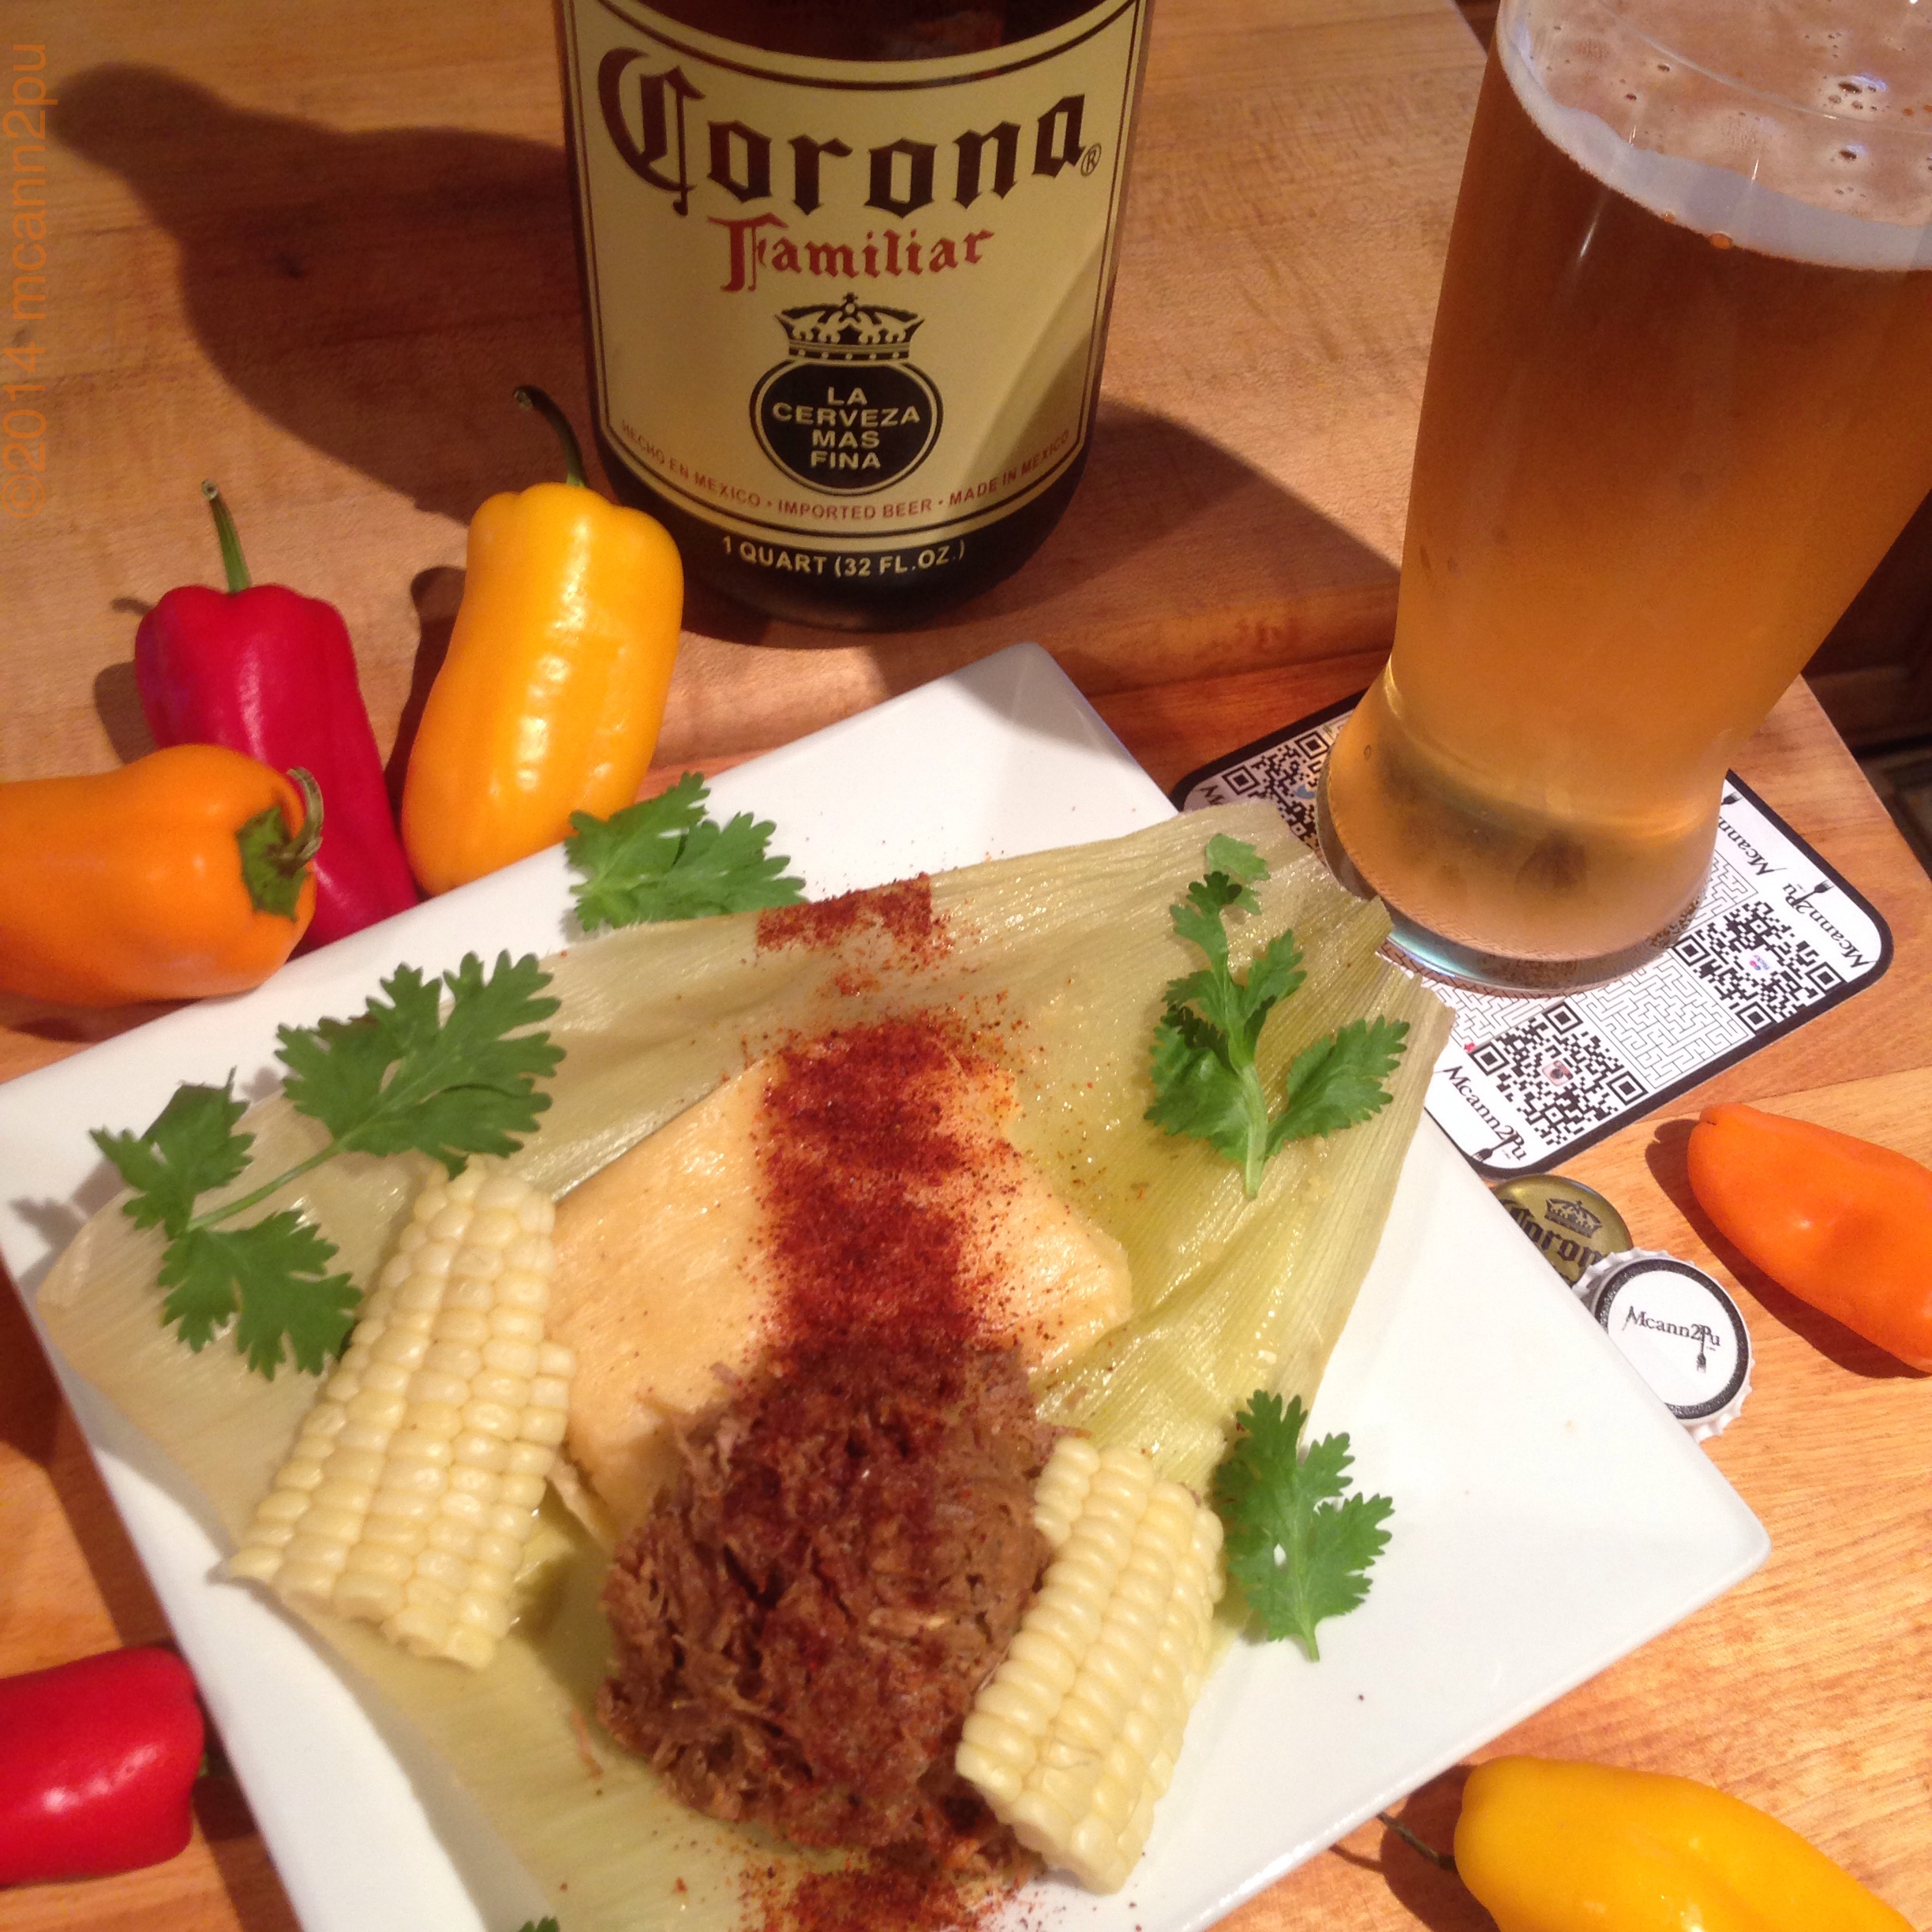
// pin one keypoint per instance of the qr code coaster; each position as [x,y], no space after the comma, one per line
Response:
[1776,938]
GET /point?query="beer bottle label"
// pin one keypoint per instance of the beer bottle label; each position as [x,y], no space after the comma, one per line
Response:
[855,305]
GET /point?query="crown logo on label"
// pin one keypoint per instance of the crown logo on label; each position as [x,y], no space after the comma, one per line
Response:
[1572,1214]
[849,332]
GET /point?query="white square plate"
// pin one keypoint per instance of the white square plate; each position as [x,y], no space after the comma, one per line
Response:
[1550,1515]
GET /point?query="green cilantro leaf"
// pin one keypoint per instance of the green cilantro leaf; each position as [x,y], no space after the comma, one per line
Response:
[403,1077]
[1196,1091]
[201,1287]
[663,858]
[191,1147]
[1238,860]
[539,1925]
[1339,1080]
[1231,866]
[272,1276]
[1298,1545]
[1203,1066]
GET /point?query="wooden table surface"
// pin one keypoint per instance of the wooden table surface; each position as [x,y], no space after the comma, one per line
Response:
[312,262]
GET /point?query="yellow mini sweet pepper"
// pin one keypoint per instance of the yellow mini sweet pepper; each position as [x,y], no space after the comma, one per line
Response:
[553,693]
[1551,1846]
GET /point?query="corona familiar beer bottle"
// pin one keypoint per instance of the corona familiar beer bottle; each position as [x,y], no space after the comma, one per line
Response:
[847,267]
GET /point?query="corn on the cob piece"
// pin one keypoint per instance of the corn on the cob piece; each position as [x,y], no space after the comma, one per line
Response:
[1073,1739]
[413,1487]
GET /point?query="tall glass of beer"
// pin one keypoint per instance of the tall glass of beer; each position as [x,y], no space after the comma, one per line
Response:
[1678,403]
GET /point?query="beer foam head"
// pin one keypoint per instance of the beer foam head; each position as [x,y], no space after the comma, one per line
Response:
[1801,128]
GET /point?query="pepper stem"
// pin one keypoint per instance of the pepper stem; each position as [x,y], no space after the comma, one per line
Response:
[526,396]
[275,860]
[309,840]
[233,562]
[1441,1860]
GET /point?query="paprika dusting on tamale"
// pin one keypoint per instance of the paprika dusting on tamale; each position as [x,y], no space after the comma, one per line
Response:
[902,911]
[802,1624]
[873,1894]
[860,1142]
[813,1174]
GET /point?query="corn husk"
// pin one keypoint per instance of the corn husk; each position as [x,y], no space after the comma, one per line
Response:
[1067,955]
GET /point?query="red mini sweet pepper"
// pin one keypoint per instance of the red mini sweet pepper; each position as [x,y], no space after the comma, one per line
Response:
[263,670]
[98,1760]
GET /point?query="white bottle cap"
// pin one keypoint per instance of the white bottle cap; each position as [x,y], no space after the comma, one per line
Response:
[1678,1329]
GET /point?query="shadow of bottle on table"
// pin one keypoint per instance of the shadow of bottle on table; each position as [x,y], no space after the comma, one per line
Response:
[1164,511]
[379,293]
[1176,560]
[305,274]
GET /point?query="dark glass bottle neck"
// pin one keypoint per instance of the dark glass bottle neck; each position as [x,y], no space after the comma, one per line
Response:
[873,30]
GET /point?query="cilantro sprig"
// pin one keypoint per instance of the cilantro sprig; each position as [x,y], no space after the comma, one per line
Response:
[1205,1080]
[1299,1546]
[406,1074]
[663,859]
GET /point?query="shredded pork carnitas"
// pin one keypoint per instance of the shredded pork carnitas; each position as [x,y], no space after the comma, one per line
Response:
[802,1624]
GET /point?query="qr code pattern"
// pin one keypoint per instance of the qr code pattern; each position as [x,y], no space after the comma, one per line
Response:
[1724,887]
[1761,970]
[1559,1073]
[1285,774]
[1485,1016]
[1663,1021]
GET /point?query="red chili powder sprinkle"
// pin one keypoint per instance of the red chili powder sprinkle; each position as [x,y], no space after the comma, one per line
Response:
[876,1897]
[903,913]
[860,1140]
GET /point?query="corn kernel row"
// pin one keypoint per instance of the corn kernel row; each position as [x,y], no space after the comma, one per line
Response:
[1073,1739]
[412,1490]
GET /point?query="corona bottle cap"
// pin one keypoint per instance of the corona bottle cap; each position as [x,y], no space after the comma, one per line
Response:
[1574,1225]
[1680,1331]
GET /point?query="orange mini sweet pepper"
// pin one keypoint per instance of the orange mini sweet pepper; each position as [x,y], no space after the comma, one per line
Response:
[185,874]
[1842,1223]
[550,700]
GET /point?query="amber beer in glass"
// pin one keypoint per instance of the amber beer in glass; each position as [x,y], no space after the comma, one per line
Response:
[1678,403]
